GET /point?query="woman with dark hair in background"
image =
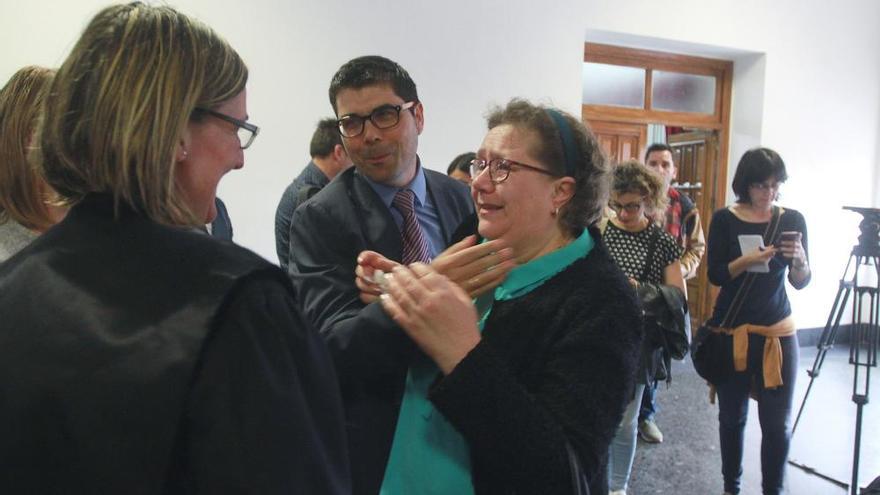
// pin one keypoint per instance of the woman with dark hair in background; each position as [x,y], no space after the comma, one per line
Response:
[138,355]
[26,208]
[764,324]
[534,374]
[649,257]
[460,167]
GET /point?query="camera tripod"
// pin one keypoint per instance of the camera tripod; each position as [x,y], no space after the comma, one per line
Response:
[864,330]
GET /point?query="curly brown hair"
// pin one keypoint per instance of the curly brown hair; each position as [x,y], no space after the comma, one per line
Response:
[590,165]
[633,177]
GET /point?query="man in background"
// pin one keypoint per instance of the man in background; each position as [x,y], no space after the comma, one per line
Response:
[328,160]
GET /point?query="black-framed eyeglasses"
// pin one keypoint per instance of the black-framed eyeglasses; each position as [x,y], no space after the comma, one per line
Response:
[499,169]
[766,186]
[383,117]
[630,208]
[246,131]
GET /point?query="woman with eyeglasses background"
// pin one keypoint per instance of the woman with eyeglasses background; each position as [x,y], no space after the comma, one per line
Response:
[138,354]
[647,255]
[765,314]
[533,374]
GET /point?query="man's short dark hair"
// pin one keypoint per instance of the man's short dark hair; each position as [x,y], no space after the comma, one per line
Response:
[325,138]
[372,70]
[462,162]
[657,147]
[756,166]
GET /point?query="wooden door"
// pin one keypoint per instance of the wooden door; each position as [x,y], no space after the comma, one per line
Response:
[696,156]
[620,140]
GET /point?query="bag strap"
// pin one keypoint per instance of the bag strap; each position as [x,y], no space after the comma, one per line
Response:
[579,483]
[739,298]
[652,249]
[773,226]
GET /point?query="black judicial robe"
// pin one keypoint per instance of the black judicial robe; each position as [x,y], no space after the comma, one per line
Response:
[140,358]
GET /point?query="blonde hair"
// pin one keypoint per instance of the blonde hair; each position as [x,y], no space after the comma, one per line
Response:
[120,103]
[633,177]
[22,190]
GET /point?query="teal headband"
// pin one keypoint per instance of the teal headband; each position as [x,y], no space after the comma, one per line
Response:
[569,150]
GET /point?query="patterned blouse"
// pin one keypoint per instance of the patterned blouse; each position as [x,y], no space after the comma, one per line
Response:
[629,250]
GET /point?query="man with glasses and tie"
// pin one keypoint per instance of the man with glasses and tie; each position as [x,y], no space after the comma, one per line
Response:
[388,203]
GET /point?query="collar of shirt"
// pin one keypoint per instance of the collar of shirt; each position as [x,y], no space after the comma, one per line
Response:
[417,185]
[313,175]
[524,278]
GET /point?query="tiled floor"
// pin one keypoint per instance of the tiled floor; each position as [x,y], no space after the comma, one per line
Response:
[688,462]
[824,439]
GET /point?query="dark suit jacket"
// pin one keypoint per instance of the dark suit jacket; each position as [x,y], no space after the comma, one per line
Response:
[371,353]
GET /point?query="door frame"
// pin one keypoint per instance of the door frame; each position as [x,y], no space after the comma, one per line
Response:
[719,120]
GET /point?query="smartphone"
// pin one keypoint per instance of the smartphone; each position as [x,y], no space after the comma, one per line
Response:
[789,235]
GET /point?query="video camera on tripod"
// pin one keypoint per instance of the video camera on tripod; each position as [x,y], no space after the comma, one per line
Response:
[864,330]
[869,239]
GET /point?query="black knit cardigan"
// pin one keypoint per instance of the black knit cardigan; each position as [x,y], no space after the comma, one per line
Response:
[556,365]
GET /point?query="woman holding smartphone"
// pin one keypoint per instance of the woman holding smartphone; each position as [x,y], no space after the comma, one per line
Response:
[767,364]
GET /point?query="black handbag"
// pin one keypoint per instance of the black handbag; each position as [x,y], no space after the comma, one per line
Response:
[712,354]
[712,347]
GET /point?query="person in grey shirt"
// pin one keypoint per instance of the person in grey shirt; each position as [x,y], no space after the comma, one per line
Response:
[328,159]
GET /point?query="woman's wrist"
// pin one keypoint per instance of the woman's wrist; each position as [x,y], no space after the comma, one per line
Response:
[798,264]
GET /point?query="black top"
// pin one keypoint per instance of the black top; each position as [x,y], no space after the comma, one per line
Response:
[263,415]
[766,302]
[141,358]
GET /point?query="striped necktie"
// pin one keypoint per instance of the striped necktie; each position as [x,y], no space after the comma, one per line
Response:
[415,245]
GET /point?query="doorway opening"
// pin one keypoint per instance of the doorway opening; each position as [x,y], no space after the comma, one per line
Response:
[633,98]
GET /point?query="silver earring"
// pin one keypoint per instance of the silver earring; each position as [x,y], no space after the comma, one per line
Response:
[556,212]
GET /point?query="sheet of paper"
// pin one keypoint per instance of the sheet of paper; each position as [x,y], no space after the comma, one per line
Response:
[749,243]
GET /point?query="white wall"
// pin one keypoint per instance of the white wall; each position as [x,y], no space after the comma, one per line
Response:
[812,70]
[810,67]
[462,56]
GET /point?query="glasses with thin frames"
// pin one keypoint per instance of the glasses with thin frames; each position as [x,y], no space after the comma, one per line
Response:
[246,131]
[383,117]
[499,169]
[765,186]
[629,207]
